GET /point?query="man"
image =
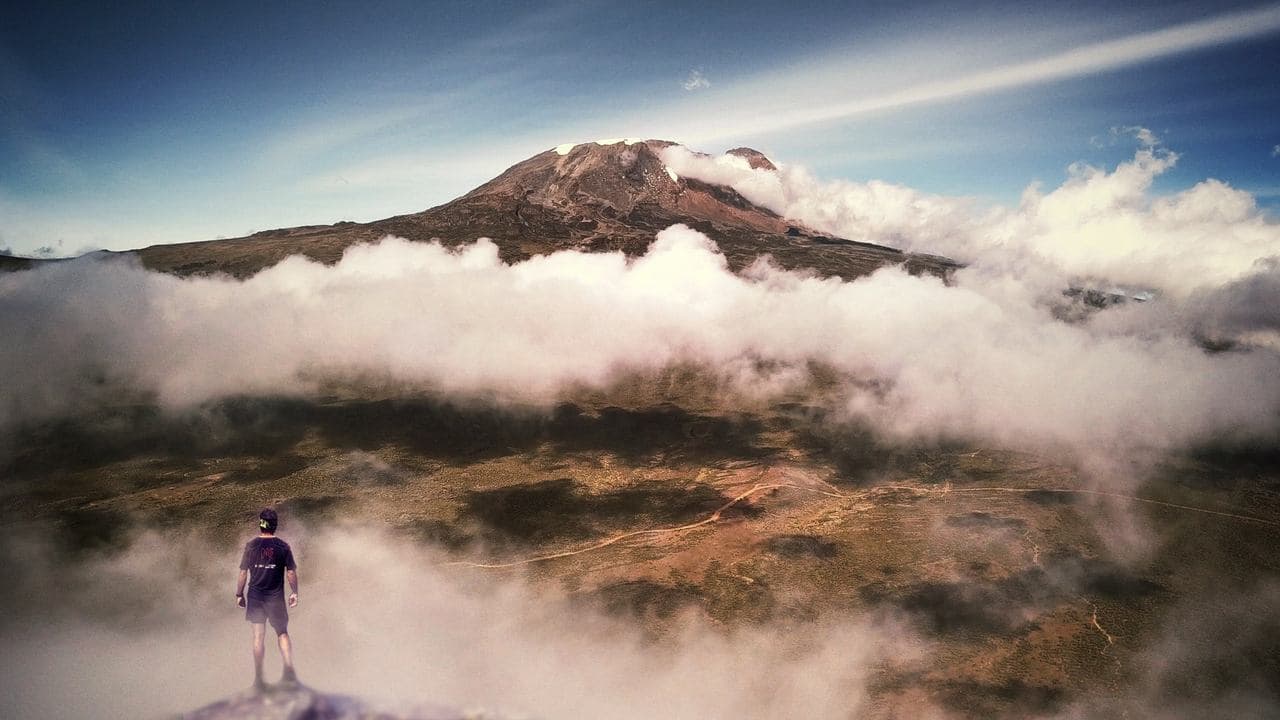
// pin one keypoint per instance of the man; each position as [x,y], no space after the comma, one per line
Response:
[266,563]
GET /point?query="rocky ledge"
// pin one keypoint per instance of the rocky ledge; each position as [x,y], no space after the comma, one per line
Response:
[299,702]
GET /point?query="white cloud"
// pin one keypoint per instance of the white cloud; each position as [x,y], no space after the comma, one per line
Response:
[850,86]
[1100,225]
[1145,137]
[981,359]
[1275,151]
[696,81]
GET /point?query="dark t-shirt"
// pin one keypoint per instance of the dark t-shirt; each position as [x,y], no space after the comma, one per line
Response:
[266,559]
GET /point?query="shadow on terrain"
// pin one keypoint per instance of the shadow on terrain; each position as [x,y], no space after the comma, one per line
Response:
[1050,498]
[860,458]
[1011,698]
[91,530]
[665,433]
[1221,653]
[561,510]
[647,599]
[721,595]
[257,469]
[985,521]
[1225,467]
[1008,604]
[261,433]
[312,507]
[800,546]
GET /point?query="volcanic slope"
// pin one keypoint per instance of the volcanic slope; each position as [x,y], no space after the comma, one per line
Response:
[590,196]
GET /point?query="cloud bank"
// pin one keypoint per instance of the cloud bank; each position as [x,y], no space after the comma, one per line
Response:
[981,360]
[1099,225]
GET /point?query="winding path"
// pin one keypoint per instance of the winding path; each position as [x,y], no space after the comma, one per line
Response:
[714,517]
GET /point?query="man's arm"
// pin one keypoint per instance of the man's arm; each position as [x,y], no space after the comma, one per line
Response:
[244,576]
[292,577]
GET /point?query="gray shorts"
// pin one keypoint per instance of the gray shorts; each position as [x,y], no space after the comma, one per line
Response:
[271,609]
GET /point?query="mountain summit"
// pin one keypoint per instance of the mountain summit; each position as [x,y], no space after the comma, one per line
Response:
[599,196]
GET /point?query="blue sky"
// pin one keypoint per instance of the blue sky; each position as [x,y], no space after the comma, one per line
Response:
[157,123]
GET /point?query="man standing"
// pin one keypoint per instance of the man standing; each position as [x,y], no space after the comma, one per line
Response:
[267,562]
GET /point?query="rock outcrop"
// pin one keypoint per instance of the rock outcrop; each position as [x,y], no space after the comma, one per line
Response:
[298,702]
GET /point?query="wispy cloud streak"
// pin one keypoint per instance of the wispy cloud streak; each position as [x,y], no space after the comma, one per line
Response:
[1079,61]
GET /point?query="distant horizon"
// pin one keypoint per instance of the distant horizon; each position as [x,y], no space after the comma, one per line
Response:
[154,125]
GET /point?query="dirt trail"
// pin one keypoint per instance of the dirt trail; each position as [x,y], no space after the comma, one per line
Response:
[1093,620]
[714,517]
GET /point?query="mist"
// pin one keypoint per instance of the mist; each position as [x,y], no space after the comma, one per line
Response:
[150,629]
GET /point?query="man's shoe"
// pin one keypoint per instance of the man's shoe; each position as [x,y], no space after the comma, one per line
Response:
[259,686]
[289,676]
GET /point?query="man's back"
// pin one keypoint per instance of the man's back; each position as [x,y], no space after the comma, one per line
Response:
[266,559]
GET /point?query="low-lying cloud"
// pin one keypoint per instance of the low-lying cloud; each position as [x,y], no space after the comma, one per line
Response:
[149,629]
[385,619]
[980,360]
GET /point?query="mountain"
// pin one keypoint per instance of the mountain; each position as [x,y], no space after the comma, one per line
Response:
[590,196]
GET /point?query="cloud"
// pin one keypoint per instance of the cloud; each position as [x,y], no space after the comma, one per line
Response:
[850,91]
[1101,226]
[984,358]
[696,81]
[1275,151]
[48,251]
[1244,307]
[1144,136]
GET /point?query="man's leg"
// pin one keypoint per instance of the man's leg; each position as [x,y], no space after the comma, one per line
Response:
[286,655]
[278,614]
[259,650]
